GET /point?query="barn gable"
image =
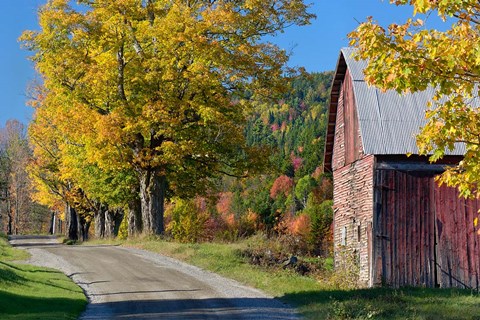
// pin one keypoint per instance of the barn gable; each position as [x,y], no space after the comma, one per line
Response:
[388,121]
[400,227]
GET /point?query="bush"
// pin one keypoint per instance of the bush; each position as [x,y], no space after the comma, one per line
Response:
[123,229]
[187,220]
[347,271]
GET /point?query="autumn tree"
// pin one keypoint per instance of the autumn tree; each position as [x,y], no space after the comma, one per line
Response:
[161,88]
[21,213]
[50,188]
[62,177]
[410,57]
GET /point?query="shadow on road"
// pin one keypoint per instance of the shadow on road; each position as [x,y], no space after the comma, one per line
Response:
[136,292]
[32,237]
[34,244]
[239,308]
[29,241]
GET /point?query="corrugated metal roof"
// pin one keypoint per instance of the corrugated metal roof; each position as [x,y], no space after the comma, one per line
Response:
[388,121]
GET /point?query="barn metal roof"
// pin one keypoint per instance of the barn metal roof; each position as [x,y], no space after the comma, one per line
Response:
[388,121]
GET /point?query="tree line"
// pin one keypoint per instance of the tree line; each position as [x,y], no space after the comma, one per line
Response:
[145,101]
[19,213]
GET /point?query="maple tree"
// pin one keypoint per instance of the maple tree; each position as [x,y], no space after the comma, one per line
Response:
[409,57]
[159,88]
[63,178]
[45,169]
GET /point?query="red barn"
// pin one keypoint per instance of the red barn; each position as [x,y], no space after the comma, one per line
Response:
[401,228]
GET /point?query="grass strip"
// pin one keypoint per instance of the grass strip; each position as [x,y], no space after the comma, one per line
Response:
[29,292]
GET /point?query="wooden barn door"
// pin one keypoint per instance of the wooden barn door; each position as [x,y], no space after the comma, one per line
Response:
[424,233]
[405,230]
[458,244]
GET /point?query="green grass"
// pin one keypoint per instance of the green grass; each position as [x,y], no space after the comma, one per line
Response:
[28,292]
[7,253]
[319,299]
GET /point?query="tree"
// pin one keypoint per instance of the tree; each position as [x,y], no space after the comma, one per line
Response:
[304,186]
[50,187]
[16,205]
[14,181]
[410,57]
[165,85]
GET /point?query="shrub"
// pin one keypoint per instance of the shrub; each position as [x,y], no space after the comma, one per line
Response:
[187,220]
[293,232]
[123,229]
[347,270]
[248,223]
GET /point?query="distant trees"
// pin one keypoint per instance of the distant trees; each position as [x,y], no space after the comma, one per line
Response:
[143,100]
[18,213]
[292,199]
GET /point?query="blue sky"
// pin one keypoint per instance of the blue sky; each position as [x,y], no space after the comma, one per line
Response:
[314,47]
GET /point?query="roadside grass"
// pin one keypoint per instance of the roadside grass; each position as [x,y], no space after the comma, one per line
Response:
[29,292]
[8,253]
[318,298]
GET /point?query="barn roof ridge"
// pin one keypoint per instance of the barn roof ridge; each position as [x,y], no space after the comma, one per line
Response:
[388,121]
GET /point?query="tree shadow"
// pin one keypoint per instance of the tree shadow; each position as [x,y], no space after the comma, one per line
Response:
[238,308]
[23,237]
[383,303]
[8,276]
[34,244]
[17,306]
[134,292]
[27,268]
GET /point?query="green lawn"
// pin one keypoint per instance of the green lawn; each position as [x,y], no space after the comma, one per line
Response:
[319,299]
[28,292]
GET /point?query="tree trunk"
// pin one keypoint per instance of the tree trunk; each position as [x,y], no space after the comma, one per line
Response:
[72,223]
[9,228]
[85,227]
[17,214]
[99,217]
[117,221]
[10,219]
[135,225]
[109,224]
[152,196]
[52,224]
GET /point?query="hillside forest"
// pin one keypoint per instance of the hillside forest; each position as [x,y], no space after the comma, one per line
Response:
[290,198]
[174,119]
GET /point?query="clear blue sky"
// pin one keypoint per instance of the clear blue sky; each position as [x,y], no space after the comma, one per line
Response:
[314,47]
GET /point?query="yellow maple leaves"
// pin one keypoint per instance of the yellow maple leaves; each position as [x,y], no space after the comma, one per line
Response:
[154,88]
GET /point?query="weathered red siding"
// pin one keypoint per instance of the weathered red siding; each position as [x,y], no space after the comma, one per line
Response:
[458,244]
[347,146]
[353,146]
[338,160]
[424,234]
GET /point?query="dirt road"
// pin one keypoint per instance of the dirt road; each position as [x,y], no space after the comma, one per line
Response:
[123,283]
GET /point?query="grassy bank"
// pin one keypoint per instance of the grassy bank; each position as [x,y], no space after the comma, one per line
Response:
[318,299]
[28,292]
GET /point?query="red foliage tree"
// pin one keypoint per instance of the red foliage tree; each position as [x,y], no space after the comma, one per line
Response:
[282,184]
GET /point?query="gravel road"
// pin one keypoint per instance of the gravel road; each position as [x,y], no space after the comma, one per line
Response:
[124,283]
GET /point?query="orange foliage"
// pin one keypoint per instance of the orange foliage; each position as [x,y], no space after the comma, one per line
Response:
[224,202]
[283,184]
[300,225]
